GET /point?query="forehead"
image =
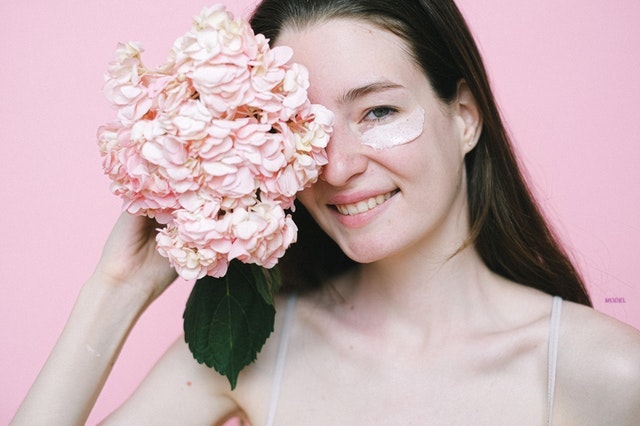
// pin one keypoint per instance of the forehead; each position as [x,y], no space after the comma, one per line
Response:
[345,53]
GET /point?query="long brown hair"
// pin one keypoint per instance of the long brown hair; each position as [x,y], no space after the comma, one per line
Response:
[508,229]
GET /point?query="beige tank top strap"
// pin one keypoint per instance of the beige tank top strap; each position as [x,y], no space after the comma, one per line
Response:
[281,358]
[554,336]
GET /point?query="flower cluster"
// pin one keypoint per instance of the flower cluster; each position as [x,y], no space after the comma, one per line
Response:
[215,144]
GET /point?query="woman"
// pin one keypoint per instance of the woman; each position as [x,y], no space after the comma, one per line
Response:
[442,310]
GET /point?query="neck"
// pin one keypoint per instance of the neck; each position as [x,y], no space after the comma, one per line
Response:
[435,297]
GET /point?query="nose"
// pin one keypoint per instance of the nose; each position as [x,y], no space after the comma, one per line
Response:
[346,157]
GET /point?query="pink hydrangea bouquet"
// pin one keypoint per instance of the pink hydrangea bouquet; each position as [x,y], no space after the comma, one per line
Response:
[214,144]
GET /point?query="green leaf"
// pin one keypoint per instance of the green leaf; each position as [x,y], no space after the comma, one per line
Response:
[267,281]
[227,320]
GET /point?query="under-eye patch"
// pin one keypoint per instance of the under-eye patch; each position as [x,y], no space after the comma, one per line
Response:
[398,132]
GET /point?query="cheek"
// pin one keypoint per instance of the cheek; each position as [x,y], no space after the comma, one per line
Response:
[434,159]
[399,132]
[306,197]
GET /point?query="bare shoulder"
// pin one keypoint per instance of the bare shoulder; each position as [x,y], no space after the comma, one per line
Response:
[598,337]
[598,368]
[177,390]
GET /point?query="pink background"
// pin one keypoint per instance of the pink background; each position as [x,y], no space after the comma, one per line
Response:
[565,74]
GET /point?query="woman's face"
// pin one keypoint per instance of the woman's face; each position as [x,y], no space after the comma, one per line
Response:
[395,180]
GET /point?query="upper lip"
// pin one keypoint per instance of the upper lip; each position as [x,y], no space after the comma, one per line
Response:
[356,197]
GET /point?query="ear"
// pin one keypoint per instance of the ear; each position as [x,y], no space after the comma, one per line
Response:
[467,110]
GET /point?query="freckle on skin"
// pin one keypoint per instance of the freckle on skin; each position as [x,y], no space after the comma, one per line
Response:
[189,383]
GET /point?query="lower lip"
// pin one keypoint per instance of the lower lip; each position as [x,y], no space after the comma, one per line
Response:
[361,219]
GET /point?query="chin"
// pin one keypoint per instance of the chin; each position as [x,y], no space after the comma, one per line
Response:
[365,253]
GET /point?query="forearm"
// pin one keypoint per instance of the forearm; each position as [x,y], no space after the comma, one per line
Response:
[77,368]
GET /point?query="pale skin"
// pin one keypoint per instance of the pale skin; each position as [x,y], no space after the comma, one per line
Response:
[414,336]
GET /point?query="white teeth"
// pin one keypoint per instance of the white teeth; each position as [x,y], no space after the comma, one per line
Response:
[362,206]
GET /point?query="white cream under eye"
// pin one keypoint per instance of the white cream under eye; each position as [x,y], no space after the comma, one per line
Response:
[398,132]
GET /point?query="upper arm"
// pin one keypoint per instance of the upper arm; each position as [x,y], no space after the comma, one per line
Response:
[598,370]
[178,390]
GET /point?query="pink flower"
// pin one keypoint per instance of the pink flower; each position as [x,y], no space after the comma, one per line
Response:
[192,120]
[269,70]
[222,86]
[123,83]
[215,144]
[190,261]
[177,91]
[262,234]
[294,86]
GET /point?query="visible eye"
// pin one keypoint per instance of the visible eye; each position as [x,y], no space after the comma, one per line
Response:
[379,113]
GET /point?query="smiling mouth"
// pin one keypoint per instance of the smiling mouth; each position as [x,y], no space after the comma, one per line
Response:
[364,205]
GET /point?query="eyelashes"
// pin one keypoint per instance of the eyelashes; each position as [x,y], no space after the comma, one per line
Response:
[379,113]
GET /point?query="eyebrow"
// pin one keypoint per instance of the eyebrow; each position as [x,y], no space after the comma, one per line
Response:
[358,92]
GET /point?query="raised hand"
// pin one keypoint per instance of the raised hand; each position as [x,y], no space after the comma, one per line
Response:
[129,258]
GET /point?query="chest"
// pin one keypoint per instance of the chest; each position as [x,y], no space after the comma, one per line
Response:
[500,380]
